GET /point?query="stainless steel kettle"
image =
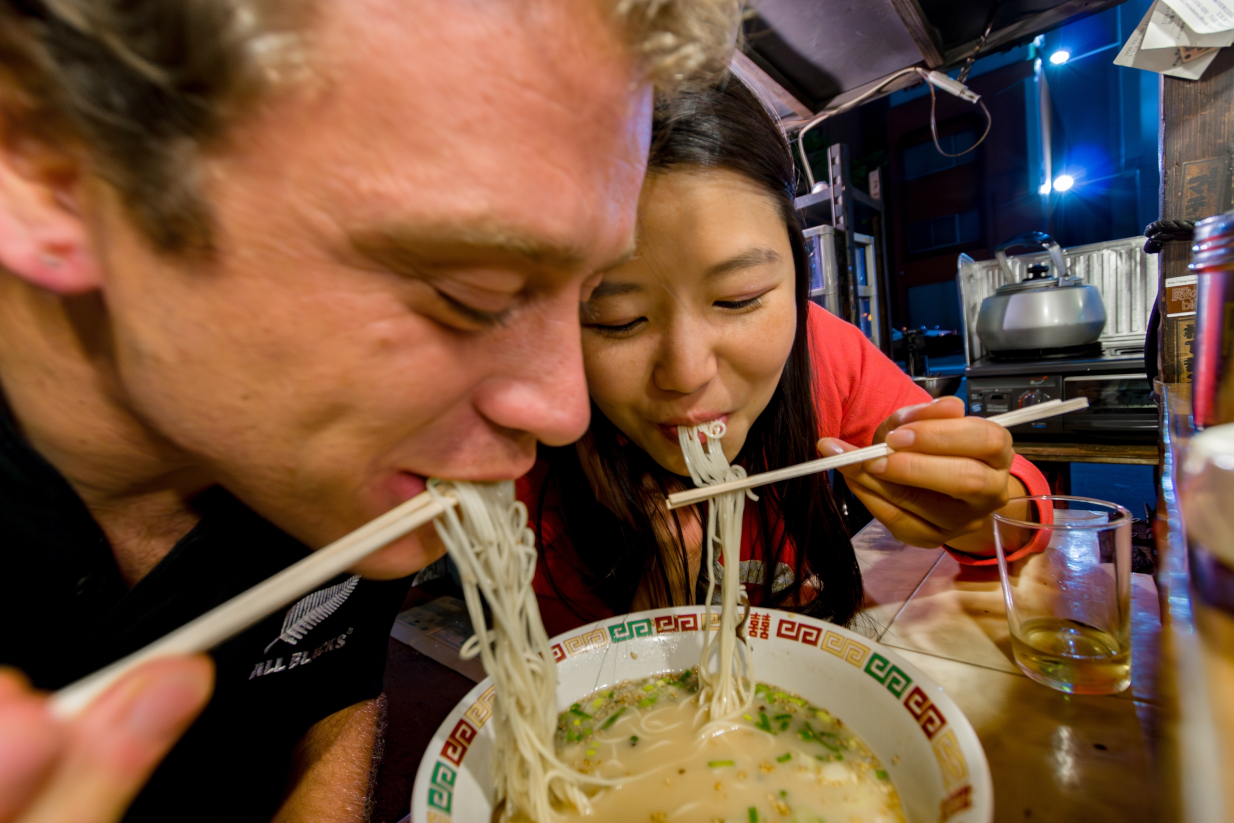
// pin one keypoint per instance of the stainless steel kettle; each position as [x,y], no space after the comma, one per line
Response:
[1048,310]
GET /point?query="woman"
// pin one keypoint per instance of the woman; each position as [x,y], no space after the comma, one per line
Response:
[712,319]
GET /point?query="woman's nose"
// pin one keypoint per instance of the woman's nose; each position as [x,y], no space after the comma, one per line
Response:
[686,361]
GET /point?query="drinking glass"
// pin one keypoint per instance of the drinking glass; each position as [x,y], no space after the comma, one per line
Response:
[1066,576]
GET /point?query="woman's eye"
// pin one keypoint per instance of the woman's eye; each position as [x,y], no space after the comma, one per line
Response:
[748,303]
[615,330]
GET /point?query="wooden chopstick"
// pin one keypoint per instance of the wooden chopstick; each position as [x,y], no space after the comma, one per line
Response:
[1028,414]
[243,610]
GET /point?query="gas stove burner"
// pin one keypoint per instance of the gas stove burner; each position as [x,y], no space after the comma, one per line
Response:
[1061,353]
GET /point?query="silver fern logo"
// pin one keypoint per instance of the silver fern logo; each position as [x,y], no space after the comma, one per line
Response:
[305,616]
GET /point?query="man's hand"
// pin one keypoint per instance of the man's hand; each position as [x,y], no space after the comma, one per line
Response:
[89,769]
[949,473]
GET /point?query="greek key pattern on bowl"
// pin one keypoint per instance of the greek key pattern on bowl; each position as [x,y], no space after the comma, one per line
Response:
[634,628]
[956,802]
[950,759]
[441,789]
[927,714]
[889,674]
[580,643]
[455,748]
[480,711]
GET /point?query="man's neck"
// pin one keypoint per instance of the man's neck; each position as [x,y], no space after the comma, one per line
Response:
[67,401]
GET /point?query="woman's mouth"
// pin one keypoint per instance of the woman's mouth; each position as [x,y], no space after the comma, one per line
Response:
[669,429]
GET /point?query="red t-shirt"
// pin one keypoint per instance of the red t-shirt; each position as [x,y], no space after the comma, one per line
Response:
[856,388]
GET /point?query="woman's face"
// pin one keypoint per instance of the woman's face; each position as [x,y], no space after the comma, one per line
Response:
[699,324]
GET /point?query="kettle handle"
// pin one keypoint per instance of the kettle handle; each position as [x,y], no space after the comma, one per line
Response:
[1033,239]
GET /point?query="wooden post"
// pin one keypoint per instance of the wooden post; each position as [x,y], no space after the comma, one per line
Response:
[1197,160]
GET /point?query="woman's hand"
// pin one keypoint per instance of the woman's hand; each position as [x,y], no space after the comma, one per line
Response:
[89,769]
[949,473]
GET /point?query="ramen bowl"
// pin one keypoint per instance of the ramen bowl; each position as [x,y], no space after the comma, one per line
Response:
[925,743]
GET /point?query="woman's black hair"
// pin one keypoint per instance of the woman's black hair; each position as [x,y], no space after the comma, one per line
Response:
[720,127]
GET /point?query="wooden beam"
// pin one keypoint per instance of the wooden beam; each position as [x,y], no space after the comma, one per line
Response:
[1197,159]
[919,28]
[1028,27]
[1142,455]
[752,73]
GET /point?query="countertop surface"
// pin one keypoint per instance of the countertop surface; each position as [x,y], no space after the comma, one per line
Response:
[1053,757]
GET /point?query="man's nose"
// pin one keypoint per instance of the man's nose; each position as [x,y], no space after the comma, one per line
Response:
[686,361]
[540,387]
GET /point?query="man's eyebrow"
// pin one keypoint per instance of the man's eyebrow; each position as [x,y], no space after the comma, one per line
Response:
[410,246]
[607,289]
[745,260]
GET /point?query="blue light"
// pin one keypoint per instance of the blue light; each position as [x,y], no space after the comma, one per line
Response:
[1059,57]
[1063,182]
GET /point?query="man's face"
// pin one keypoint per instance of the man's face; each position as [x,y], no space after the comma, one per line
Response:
[403,241]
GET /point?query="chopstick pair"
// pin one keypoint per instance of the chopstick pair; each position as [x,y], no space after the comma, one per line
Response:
[243,610]
[1028,414]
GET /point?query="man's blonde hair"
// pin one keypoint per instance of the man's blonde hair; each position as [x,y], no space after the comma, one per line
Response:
[144,85]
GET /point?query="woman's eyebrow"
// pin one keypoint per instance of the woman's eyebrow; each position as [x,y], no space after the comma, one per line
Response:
[745,260]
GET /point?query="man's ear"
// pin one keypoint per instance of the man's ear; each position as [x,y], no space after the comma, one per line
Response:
[44,238]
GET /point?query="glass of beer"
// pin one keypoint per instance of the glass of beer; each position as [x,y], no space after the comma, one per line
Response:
[1066,576]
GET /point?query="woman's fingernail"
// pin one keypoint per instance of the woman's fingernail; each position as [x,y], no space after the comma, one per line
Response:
[877,466]
[829,448]
[901,438]
[162,710]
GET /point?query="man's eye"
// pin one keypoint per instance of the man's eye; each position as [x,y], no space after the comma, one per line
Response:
[616,330]
[748,303]
[475,317]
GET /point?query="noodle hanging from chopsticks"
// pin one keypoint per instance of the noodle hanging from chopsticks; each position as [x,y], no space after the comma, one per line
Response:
[496,556]
[731,687]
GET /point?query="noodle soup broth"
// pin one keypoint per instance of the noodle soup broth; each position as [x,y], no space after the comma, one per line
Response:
[910,728]
[782,760]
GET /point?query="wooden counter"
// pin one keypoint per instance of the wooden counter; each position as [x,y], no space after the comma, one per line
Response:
[1054,757]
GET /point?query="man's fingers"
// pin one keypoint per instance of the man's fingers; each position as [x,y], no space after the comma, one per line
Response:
[971,437]
[115,745]
[30,740]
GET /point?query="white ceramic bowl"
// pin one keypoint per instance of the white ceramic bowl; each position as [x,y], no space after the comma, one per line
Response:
[921,737]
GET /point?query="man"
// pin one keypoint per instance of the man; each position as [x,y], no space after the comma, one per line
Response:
[264,267]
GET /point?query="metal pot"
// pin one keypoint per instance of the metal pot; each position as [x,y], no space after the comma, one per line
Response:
[940,385]
[1048,310]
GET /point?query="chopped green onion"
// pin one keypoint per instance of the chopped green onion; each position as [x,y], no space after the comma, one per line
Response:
[752,815]
[784,758]
[648,686]
[578,711]
[612,718]
[797,700]
[719,764]
[646,701]
[783,717]
[880,774]
[634,740]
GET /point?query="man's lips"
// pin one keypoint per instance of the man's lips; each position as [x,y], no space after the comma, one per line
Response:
[406,485]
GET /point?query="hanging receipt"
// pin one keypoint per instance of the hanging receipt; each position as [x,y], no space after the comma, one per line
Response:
[1205,16]
[1163,42]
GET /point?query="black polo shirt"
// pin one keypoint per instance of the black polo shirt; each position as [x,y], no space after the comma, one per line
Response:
[65,611]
